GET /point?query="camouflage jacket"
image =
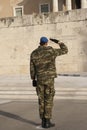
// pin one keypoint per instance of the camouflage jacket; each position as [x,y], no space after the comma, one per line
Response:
[42,61]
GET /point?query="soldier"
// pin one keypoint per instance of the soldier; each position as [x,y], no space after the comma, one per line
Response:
[42,69]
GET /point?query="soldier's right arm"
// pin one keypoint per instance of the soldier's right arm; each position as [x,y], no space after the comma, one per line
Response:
[62,50]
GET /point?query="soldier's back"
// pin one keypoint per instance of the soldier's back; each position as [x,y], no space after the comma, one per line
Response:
[44,61]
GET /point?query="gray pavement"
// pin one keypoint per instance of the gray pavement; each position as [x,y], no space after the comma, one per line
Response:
[17,88]
[67,115]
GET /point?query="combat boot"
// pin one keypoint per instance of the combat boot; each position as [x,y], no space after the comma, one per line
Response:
[43,122]
[48,124]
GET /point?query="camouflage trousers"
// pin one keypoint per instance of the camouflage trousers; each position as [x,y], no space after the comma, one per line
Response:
[45,91]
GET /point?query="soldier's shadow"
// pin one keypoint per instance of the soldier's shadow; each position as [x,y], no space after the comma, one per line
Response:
[16,117]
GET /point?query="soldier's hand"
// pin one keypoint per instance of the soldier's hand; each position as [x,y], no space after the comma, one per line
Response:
[54,40]
[34,83]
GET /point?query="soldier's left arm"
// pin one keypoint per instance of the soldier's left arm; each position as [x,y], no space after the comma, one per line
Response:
[32,69]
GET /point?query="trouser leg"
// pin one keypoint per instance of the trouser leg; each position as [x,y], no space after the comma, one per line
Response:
[45,98]
[45,108]
[46,104]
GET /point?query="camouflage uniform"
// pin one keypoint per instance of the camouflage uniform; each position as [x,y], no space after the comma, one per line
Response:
[42,67]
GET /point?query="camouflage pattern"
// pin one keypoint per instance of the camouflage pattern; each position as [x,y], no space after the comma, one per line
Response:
[42,68]
[45,92]
[42,63]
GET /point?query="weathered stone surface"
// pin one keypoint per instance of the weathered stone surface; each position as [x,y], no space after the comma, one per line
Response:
[20,35]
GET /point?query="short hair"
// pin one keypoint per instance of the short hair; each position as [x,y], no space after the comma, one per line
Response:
[41,43]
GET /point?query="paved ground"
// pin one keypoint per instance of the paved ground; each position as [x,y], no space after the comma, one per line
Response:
[70,114]
[20,87]
[67,114]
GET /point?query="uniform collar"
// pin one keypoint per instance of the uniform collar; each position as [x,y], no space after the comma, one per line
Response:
[43,47]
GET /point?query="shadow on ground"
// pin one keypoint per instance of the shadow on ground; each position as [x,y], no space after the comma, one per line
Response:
[16,117]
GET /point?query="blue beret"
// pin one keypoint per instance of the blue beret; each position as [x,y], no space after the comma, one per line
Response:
[43,40]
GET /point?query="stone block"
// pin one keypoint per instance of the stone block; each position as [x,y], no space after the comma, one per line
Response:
[19,36]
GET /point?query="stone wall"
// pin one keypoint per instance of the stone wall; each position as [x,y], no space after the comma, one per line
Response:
[19,36]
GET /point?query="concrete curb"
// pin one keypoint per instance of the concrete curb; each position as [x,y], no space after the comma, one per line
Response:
[4,101]
[75,75]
